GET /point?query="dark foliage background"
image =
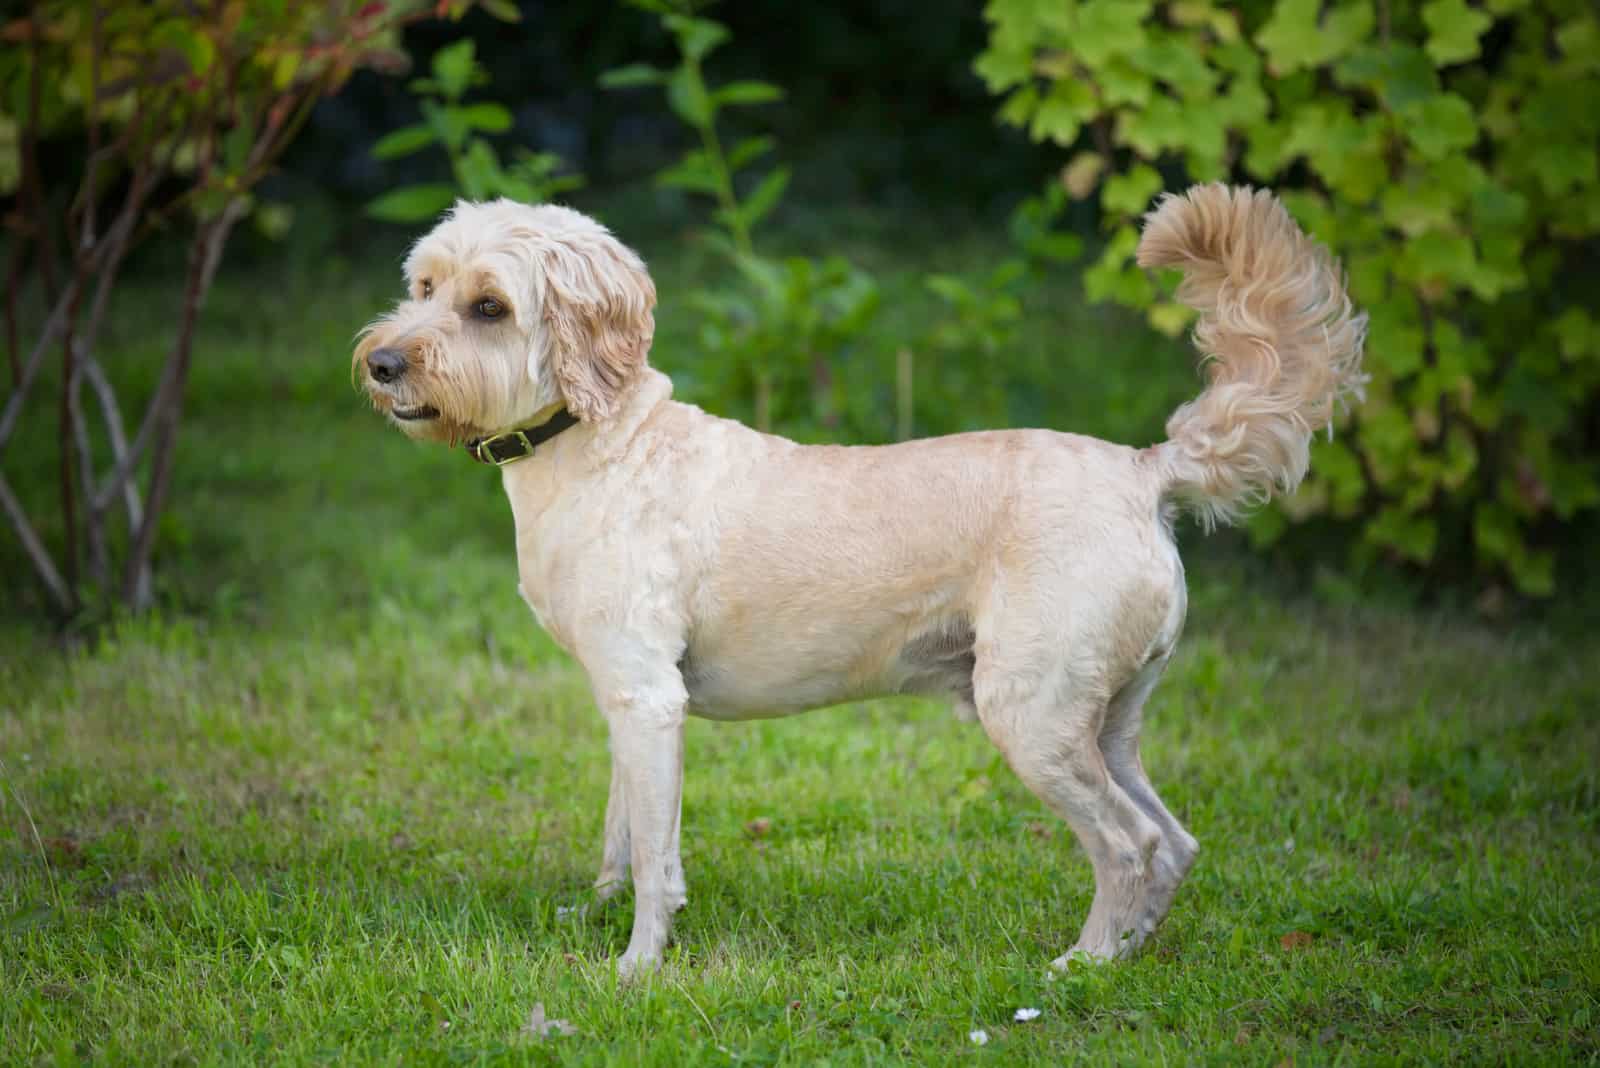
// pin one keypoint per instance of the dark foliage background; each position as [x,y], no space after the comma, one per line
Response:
[882,103]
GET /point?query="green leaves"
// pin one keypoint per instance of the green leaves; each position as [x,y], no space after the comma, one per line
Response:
[1453,30]
[1109,28]
[403,142]
[1440,125]
[455,70]
[748,150]
[633,76]
[780,332]
[1299,37]
[686,93]
[476,167]
[1131,193]
[695,173]
[1457,187]
[764,197]
[536,177]
[697,37]
[1033,227]
[1159,126]
[488,117]
[1399,73]
[1115,277]
[1417,206]
[1060,115]
[747,93]
[413,203]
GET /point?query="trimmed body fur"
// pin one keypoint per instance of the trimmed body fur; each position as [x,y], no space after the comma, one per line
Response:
[695,566]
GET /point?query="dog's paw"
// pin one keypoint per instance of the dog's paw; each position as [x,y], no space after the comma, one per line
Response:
[633,966]
[606,888]
[1078,957]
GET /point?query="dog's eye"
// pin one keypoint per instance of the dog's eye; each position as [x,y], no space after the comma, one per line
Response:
[427,289]
[490,308]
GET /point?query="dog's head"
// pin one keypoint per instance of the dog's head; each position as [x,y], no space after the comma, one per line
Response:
[510,310]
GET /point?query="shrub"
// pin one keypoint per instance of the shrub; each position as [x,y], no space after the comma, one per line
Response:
[177,110]
[801,336]
[1447,153]
[779,335]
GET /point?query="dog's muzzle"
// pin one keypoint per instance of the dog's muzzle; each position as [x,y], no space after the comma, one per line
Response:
[386,365]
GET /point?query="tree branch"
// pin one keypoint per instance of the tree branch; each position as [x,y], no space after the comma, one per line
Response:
[111,412]
[42,564]
[68,486]
[93,528]
[205,256]
[109,253]
[51,333]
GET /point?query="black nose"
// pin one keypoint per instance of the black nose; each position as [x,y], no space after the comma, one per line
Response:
[386,365]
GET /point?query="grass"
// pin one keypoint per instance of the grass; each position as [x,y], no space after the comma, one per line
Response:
[332,804]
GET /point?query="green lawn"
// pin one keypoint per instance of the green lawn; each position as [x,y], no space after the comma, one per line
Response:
[333,803]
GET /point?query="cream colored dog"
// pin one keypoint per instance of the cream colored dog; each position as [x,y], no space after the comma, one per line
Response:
[695,566]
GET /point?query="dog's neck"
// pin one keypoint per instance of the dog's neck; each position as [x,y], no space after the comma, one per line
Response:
[637,401]
[587,446]
[569,464]
[509,446]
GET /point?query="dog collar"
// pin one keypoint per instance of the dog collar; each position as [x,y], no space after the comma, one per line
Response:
[513,445]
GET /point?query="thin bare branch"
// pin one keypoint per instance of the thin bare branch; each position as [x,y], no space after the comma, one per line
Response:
[53,328]
[111,412]
[42,564]
[93,527]
[70,430]
[67,483]
[205,256]
[109,253]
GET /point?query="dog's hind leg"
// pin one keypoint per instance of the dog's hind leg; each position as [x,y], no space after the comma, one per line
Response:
[1119,743]
[1048,730]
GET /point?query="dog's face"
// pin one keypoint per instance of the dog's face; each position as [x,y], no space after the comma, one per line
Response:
[510,310]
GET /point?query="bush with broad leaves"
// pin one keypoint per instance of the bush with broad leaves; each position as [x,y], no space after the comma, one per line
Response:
[171,112]
[1447,152]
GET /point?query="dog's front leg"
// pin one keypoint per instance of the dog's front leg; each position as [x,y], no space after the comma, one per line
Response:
[646,720]
[616,852]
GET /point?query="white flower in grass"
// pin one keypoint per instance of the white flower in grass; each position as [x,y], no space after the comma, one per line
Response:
[1024,1015]
[980,1037]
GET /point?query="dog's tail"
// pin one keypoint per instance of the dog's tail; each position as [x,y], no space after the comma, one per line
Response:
[1281,345]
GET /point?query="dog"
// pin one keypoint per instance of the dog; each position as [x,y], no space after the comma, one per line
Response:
[694,566]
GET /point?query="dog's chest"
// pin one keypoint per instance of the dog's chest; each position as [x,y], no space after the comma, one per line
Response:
[601,564]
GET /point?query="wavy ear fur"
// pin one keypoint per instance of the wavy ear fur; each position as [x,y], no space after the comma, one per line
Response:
[598,301]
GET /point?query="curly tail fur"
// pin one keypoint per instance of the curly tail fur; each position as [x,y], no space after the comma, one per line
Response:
[1281,343]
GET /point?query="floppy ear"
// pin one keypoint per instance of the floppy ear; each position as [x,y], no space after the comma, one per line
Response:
[598,301]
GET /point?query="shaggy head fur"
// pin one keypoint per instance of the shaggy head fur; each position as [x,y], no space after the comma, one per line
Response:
[512,310]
